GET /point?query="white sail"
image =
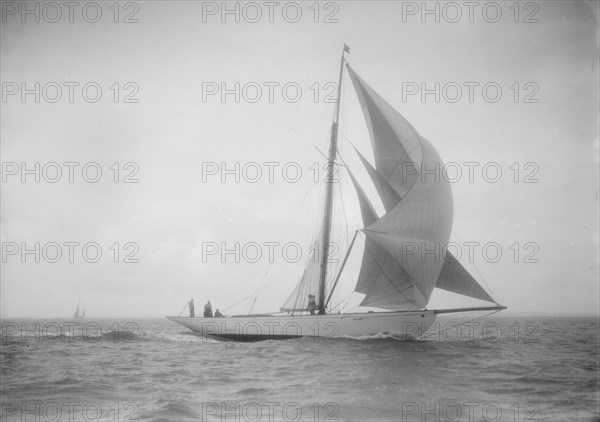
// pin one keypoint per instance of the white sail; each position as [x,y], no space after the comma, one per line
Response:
[308,284]
[456,279]
[396,144]
[389,197]
[416,230]
[382,279]
[418,246]
[453,277]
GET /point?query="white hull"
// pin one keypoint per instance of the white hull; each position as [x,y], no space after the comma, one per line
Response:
[407,324]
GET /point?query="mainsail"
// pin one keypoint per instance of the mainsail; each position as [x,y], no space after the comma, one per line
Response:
[308,284]
[76,314]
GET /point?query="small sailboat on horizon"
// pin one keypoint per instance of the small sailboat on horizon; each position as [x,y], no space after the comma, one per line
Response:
[398,271]
[76,314]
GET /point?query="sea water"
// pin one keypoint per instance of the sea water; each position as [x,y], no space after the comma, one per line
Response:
[489,369]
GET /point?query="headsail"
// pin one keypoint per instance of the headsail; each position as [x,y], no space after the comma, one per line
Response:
[387,193]
[382,279]
[407,245]
[456,279]
[395,141]
[416,230]
[453,277]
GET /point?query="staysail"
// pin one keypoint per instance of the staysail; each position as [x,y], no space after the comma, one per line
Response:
[405,253]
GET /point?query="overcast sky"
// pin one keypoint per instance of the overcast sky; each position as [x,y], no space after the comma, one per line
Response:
[169,124]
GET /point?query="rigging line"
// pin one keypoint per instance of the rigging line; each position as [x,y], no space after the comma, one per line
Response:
[259,287]
[334,232]
[344,212]
[303,283]
[356,307]
[255,194]
[252,306]
[343,299]
[342,198]
[305,116]
[280,154]
[314,237]
[236,303]
[321,152]
[186,305]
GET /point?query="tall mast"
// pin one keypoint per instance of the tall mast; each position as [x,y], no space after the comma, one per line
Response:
[329,191]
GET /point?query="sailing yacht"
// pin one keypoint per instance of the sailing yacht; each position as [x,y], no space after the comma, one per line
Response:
[76,314]
[398,271]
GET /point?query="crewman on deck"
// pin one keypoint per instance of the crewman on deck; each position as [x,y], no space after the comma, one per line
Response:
[312,304]
[208,310]
[191,306]
[218,314]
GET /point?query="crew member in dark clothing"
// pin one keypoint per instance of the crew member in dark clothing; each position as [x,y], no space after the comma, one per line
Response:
[312,304]
[208,310]
[191,305]
[218,314]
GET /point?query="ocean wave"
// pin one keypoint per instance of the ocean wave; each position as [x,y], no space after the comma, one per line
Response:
[380,336]
[186,337]
[116,336]
[168,411]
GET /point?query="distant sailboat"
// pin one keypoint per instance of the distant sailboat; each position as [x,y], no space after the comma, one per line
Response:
[77,315]
[398,272]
